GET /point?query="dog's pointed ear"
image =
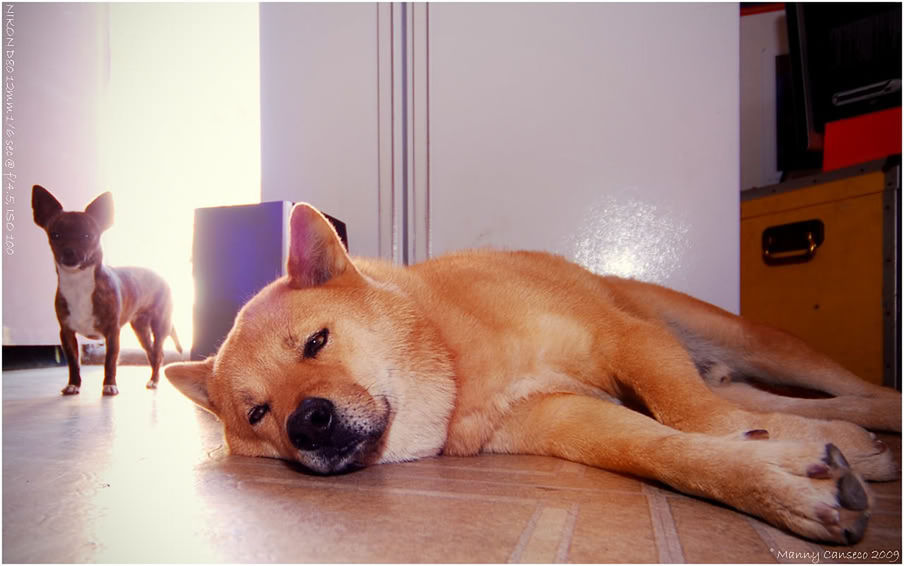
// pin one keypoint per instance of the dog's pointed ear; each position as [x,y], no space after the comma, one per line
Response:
[101,210]
[191,379]
[316,253]
[44,206]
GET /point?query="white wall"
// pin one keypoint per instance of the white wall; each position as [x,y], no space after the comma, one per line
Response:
[319,139]
[60,73]
[604,132]
[763,37]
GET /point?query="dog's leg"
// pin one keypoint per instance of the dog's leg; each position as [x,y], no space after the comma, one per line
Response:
[714,336]
[872,415]
[142,328]
[70,348]
[110,359]
[671,388]
[776,357]
[161,331]
[805,487]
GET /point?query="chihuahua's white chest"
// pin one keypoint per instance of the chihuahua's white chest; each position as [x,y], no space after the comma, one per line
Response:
[77,287]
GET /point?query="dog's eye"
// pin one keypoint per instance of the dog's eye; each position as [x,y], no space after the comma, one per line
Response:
[315,342]
[86,236]
[257,413]
[55,235]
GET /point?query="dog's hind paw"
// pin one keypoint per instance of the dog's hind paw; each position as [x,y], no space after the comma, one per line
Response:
[70,390]
[867,455]
[111,390]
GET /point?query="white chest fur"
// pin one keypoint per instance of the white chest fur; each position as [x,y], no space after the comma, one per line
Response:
[77,287]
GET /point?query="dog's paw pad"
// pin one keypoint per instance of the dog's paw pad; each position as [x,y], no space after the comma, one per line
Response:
[70,390]
[851,493]
[756,434]
[111,390]
[854,533]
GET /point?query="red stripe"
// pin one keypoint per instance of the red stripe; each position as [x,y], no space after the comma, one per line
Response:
[754,9]
[862,138]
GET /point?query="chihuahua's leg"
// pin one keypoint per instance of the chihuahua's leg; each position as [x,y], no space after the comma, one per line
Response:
[70,348]
[671,388]
[805,487]
[142,328]
[112,356]
[160,326]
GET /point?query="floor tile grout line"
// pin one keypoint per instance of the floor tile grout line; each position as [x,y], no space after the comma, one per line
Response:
[567,534]
[664,531]
[446,467]
[526,535]
[569,468]
[763,531]
[585,490]
[399,491]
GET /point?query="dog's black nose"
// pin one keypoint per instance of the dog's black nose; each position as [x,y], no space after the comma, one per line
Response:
[68,257]
[311,425]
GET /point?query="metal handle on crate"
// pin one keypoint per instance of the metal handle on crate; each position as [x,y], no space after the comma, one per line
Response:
[792,243]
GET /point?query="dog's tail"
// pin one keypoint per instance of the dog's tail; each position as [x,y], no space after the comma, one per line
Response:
[175,338]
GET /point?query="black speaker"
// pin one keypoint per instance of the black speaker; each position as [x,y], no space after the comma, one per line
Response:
[237,251]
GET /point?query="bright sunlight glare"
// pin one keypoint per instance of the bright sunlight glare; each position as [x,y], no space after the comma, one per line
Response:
[181,130]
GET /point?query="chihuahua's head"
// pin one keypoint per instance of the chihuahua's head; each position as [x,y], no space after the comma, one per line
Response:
[74,236]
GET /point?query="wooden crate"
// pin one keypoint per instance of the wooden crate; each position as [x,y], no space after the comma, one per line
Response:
[838,289]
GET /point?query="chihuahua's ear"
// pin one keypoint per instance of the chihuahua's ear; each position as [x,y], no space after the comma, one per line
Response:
[101,210]
[44,205]
[191,379]
[316,254]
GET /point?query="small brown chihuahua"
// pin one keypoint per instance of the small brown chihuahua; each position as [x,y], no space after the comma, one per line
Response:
[96,300]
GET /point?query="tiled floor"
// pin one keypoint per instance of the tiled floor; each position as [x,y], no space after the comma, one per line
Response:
[143,477]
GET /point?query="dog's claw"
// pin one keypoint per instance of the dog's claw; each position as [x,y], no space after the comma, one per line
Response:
[819,471]
[827,515]
[757,434]
[835,458]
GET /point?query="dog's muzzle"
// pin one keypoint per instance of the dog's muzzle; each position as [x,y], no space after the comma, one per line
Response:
[328,441]
[70,258]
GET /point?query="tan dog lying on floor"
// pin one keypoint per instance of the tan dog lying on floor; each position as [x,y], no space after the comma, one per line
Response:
[344,363]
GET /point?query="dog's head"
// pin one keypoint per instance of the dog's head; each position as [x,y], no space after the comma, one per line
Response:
[326,367]
[74,236]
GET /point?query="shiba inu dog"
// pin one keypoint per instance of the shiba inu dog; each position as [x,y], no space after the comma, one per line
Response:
[344,363]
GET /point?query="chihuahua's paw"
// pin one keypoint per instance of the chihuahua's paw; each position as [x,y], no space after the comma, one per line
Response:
[70,390]
[152,384]
[111,390]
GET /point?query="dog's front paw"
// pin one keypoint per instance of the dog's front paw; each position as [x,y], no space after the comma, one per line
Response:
[70,390]
[111,390]
[814,492]
[151,384]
